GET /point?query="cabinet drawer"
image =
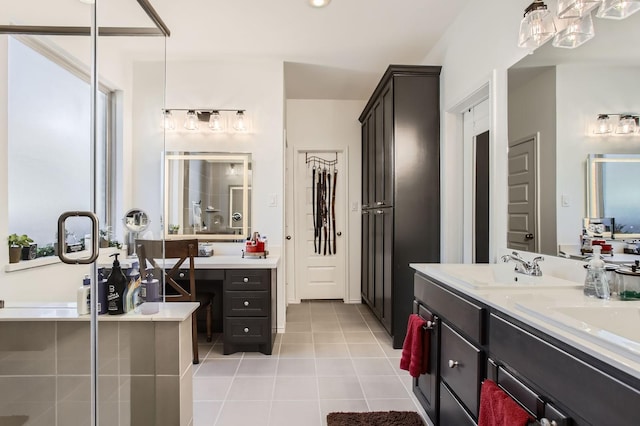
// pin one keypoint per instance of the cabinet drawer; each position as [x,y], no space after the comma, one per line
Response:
[451,412]
[460,364]
[564,379]
[246,330]
[247,303]
[247,279]
[466,316]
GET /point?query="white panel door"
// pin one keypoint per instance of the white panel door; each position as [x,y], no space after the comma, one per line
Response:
[319,275]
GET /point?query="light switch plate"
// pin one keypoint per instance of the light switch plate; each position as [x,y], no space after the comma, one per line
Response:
[273,200]
[565,200]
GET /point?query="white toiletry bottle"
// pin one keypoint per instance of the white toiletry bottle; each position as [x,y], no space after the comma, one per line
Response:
[84,296]
[596,284]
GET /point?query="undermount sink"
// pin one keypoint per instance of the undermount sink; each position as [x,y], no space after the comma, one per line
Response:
[502,275]
[612,325]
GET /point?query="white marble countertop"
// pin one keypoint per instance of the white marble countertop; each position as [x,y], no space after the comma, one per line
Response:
[217,261]
[511,300]
[33,311]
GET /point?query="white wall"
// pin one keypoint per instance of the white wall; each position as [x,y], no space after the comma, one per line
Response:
[583,92]
[532,109]
[477,49]
[333,125]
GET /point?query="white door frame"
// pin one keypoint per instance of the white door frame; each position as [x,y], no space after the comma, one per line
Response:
[291,245]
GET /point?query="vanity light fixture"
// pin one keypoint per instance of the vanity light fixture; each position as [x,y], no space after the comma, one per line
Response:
[603,125]
[216,122]
[191,122]
[319,3]
[627,124]
[578,32]
[537,26]
[618,9]
[576,8]
[240,122]
[168,122]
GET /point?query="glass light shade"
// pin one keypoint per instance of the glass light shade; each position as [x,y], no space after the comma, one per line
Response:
[577,33]
[603,125]
[216,122]
[191,122]
[576,8]
[536,28]
[240,122]
[168,121]
[618,9]
[626,125]
[319,3]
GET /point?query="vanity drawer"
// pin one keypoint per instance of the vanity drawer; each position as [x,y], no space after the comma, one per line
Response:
[460,367]
[466,316]
[247,279]
[247,303]
[451,412]
[246,330]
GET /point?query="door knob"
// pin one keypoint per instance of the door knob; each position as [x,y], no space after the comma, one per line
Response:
[453,364]
[528,237]
[339,234]
[288,237]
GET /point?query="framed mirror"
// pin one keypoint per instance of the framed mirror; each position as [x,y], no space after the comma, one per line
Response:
[613,193]
[207,196]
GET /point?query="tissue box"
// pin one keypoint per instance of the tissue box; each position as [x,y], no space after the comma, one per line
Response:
[205,249]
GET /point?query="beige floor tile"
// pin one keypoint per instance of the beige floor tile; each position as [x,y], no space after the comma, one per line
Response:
[251,389]
[296,367]
[236,413]
[339,388]
[328,337]
[373,367]
[365,350]
[257,367]
[295,389]
[295,413]
[205,413]
[294,350]
[331,350]
[335,367]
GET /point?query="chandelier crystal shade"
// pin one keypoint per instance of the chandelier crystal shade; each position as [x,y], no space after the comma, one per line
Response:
[618,9]
[603,125]
[537,26]
[578,32]
[191,122]
[576,8]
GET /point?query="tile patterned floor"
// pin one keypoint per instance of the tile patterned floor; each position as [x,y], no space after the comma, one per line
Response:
[333,357]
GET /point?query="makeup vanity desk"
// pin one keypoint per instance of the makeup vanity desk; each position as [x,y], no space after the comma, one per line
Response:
[245,298]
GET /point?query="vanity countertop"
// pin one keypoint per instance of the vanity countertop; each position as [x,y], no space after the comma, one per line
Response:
[32,311]
[542,309]
[217,261]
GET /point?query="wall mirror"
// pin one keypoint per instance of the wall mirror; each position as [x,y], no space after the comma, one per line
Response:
[613,193]
[207,196]
[554,96]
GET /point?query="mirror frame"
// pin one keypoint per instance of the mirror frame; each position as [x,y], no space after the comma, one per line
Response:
[594,188]
[244,158]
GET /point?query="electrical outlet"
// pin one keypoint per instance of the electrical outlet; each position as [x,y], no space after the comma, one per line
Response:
[354,206]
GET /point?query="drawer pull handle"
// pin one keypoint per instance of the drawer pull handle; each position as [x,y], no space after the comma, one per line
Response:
[246,329]
[181,274]
[429,325]
[246,303]
[245,279]
[545,422]
[453,364]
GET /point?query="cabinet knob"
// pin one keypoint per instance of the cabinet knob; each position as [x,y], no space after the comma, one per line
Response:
[379,203]
[288,237]
[246,303]
[379,211]
[453,364]
[246,329]
[181,274]
[245,279]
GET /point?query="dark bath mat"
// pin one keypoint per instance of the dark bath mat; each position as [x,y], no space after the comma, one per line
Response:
[375,418]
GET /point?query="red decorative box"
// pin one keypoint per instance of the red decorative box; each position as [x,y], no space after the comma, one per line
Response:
[254,246]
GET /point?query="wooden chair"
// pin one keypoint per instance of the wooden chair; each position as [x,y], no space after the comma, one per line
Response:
[149,251]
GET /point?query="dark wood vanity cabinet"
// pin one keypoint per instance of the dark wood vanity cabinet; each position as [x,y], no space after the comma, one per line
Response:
[400,190]
[249,304]
[547,377]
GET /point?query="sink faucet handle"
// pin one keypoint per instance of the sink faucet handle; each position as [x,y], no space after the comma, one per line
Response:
[535,268]
[537,259]
[516,255]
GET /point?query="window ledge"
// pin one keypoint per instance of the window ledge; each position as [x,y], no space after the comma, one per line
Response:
[52,260]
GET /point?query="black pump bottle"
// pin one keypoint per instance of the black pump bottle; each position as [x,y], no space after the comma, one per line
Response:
[116,284]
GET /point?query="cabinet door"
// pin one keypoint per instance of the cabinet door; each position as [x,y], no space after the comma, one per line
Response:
[371,158]
[367,260]
[383,271]
[366,202]
[384,186]
[380,166]
[425,387]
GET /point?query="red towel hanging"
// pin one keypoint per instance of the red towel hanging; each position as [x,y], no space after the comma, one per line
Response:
[415,349]
[499,409]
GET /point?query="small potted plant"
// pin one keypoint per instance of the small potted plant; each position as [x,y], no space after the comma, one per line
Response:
[173,229]
[16,243]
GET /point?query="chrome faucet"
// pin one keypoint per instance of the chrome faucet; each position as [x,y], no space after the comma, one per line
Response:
[522,266]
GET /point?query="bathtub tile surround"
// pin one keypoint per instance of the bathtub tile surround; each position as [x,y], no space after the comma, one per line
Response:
[332,357]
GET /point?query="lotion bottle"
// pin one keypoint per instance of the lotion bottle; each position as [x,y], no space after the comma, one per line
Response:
[116,285]
[84,296]
[596,283]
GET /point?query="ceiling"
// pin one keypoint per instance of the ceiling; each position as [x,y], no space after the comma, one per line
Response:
[337,52]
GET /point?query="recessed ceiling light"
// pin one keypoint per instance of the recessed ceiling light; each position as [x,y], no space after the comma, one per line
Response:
[87,1]
[319,3]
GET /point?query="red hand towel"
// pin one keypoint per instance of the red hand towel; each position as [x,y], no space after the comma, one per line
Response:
[498,409]
[415,349]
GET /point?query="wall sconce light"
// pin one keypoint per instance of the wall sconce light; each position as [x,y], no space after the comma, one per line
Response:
[240,122]
[191,122]
[168,122]
[627,124]
[538,26]
[216,122]
[216,119]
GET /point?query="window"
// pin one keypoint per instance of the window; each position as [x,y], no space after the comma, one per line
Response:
[49,152]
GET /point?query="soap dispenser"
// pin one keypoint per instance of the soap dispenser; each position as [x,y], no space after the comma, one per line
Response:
[116,285]
[596,284]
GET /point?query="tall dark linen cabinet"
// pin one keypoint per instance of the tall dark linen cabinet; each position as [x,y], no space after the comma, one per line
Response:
[400,190]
